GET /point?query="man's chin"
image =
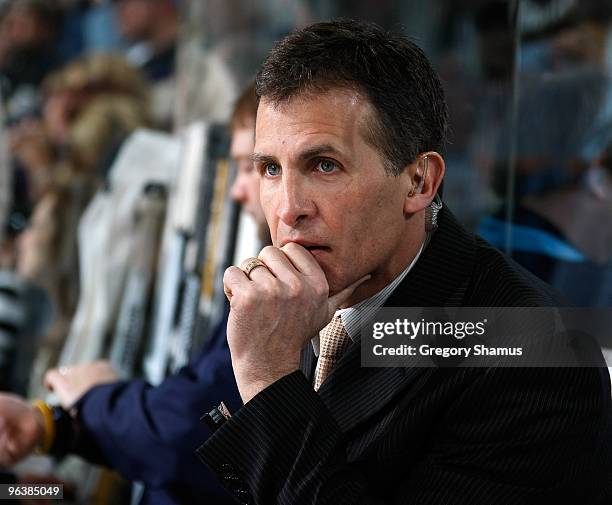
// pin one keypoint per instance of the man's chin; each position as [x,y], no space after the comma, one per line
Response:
[335,285]
[360,293]
[332,280]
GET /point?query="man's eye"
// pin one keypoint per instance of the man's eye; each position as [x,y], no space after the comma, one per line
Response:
[327,166]
[272,170]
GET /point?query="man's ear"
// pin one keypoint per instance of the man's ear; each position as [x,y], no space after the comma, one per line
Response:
[425,175]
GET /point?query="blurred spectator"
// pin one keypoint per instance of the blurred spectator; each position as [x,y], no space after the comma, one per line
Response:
[152,28]
[47,259]
[28,52]
[90,107]
[89,26]
[559,36]
[561,198]
[42,244]
[573,36]
[245,189]
[148,433]
[577,215]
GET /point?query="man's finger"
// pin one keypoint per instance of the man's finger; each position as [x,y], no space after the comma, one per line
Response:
[258,273]
[303,261]
[279,264]
[233,279]
[339,298]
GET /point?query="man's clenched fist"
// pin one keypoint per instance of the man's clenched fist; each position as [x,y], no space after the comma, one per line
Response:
[274,312]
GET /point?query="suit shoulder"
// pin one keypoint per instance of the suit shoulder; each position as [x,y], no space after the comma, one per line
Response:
[498,280]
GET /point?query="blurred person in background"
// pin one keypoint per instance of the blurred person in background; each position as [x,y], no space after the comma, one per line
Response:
[147,433]
[558,36]
[29,32]
[577,39]
[88,26]
[90,107]
[561,196]
[245,189]
[151,28]
[559,235]
[47,260]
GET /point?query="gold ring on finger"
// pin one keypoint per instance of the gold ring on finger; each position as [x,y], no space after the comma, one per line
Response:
[251,264]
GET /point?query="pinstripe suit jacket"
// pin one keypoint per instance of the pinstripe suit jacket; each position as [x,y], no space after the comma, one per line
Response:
[427,436]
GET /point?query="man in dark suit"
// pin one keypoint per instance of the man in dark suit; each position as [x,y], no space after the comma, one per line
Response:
[349,123]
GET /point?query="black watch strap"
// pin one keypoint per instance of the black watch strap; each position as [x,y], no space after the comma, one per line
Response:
[66,432]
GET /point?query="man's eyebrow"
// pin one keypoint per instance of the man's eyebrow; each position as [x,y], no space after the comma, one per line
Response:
[262,158]
[307,154]
[315,151]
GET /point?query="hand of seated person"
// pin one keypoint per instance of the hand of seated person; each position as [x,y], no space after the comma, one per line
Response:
[22,428]
[70,383]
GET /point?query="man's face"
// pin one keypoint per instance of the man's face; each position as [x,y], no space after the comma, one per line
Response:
[245,189]
[135,18]
[22,29]
[324,187]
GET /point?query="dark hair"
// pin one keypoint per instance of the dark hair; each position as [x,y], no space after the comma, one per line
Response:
[245,108]
[389,70]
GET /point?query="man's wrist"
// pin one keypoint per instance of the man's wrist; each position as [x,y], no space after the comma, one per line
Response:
[253,384]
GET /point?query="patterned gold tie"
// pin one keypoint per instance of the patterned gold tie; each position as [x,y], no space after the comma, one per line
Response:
[333,342]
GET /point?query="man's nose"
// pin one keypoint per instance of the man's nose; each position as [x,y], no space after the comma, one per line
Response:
[295,205]
[237,191]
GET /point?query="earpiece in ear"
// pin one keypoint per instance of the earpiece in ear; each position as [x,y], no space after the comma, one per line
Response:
[419,187]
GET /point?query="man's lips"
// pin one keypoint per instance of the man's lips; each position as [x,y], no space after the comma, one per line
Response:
[316,250]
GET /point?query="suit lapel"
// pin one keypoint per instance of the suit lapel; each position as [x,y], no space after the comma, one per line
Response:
[439,278]
[354,393]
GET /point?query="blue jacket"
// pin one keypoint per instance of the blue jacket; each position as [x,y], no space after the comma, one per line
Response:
[149,434]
